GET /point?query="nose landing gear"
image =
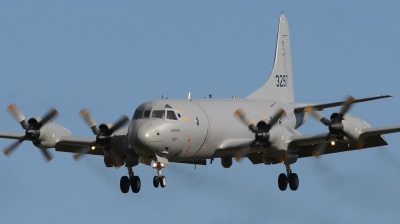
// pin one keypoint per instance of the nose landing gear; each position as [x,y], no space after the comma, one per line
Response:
[159,179]
[132,182]
[290,178]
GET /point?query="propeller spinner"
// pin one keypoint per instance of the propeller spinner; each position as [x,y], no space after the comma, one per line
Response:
[32,129]
[261,132]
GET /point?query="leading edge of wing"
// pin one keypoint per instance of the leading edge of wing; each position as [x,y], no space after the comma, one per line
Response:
[76,141]
[366,132]
[338,103]
[310,139]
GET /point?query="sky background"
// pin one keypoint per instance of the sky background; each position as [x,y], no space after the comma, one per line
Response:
[110,56]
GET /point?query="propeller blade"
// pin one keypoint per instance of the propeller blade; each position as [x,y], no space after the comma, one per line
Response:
[239,113]
[83,151]
[322,147]
[317,115]
[90,121]
[276,117]
[346,106]
[46,155]
[13,146]
[244,151]
[48,116]
[119,123]
[18,115]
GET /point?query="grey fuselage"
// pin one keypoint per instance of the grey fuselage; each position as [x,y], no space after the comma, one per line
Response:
[206,128]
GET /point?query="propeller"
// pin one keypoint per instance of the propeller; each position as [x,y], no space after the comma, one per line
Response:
[261,132]
[103,135]
[32,129]
[335,125]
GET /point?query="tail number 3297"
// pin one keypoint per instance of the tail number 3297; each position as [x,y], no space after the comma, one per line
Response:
[282,80]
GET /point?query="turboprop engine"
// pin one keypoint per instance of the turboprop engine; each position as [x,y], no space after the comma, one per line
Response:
[42,132]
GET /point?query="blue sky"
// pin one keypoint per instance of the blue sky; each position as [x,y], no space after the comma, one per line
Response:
[110,56]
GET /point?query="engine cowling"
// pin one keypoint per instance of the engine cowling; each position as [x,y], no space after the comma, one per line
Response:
[352,126]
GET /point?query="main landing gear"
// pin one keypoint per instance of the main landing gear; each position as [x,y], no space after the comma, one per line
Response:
[159,179]
[290,178]
[132,182]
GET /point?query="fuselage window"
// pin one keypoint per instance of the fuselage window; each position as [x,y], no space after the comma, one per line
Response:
[158,114]
[171,115]
[138,114]
[146,114]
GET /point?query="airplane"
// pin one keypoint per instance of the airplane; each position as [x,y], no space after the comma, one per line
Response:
[261,127]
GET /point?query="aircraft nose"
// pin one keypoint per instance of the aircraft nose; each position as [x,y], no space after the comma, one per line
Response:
[146,138]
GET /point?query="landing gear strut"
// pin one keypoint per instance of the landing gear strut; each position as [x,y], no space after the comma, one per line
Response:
[283,180]
[159,179]
[132,182]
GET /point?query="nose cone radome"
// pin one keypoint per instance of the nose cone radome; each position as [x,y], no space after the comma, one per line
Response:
[145,138]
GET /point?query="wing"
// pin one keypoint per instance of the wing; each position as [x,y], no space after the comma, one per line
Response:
[303,145]
[338,103]
[11,135]
[73,144]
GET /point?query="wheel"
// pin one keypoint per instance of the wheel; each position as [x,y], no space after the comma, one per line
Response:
[293,181]
[163,181]
[156,181]
[135,184]
[282,181]
[124,184]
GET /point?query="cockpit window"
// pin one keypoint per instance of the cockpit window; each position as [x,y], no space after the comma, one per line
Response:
[138,114]
[146,114]
[171,115]
[158,114]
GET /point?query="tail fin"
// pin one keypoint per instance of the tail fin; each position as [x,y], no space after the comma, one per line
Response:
[279,86]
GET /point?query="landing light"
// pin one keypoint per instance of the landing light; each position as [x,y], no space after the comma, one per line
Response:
[333,142]
[162,165]
[154,165]
[93,147]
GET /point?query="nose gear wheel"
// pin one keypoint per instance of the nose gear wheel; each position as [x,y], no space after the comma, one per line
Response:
[159,180]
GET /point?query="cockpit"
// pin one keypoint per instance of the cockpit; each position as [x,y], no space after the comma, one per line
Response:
[145,111]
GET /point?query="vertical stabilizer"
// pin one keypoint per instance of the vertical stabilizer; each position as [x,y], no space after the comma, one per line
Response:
[279,86]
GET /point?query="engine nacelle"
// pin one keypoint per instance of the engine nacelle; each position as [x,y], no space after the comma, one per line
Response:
[352,125]
[226,162]
[50,134]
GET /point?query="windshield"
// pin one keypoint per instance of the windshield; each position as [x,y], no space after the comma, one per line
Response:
[171,115]
[158,114]
[138,114]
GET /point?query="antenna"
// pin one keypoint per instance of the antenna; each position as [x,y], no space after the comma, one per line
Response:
[189,96]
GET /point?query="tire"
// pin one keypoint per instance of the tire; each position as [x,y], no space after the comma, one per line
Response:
[124,184]
[156,181]
[163,181]
[282,182]
[135,184]
[293,181]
